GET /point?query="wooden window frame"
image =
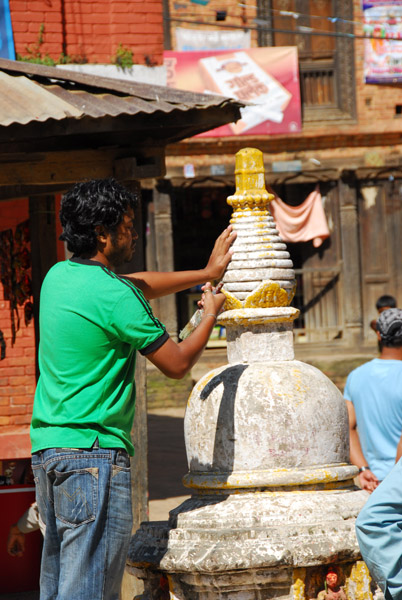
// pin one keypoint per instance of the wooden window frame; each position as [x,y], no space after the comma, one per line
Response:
[344,106]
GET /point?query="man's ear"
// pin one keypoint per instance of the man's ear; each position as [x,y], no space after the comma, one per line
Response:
[378,336]
[101,233]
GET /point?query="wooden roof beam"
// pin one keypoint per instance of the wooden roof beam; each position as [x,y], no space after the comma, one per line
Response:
[56,170]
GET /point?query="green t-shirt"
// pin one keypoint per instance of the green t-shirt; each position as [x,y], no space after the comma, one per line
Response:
[91,324]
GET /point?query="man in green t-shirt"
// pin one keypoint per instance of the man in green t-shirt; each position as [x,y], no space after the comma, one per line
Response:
[92,322]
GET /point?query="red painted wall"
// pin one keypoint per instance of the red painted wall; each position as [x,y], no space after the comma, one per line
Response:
[90,30]
[17,370]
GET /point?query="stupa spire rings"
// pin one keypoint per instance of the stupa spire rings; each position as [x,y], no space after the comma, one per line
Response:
[260,274]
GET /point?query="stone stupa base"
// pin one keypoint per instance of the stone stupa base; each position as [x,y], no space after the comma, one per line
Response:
[254,545]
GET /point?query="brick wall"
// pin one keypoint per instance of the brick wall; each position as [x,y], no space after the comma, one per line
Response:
[236,15]
[17,370]
[90,30]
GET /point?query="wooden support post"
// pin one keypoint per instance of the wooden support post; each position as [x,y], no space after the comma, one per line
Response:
[42,223]
[132,586]
[352,286]
[162,256]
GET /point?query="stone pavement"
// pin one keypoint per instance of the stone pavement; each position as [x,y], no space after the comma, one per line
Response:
[166,461]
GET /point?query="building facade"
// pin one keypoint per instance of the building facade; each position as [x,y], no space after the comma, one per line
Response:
[350,146]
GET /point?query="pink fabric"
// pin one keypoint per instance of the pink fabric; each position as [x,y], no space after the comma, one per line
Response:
[301,223]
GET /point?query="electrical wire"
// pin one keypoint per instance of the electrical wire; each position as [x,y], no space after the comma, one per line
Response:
[299,31]
[296,15]
[284,13]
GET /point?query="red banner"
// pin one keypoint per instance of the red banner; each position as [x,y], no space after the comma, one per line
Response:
[267,78]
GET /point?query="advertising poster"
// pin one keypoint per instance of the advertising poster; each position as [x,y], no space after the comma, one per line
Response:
[267,78]
[383,57]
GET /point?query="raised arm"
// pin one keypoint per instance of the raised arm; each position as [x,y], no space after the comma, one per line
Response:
[175,360]
[368,480]
[154,284]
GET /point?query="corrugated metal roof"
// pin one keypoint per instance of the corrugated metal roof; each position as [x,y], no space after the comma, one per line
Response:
[23,100]
[30,92]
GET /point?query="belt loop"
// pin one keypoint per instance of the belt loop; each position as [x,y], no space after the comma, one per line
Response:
[122,457]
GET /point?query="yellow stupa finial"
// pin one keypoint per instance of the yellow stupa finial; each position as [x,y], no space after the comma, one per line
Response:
[250,181]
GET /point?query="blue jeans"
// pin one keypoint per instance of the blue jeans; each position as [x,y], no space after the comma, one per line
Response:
[379,533]
[84,498]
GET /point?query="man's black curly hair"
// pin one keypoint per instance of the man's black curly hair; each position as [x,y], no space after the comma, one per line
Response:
[91,203]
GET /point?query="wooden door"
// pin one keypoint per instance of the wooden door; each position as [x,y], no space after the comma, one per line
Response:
[380,224]
[319,276]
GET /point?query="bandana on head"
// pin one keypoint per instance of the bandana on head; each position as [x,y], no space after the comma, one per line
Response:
[389,324]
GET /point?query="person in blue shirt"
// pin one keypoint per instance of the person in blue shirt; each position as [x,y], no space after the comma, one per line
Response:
[379,524]
[373,394]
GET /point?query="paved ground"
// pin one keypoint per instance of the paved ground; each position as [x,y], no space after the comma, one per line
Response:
[166,461]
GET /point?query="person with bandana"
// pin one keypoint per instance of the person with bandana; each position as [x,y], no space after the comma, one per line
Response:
[373,394]
[379,524]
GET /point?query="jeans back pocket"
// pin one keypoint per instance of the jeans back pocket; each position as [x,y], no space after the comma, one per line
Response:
[75,495]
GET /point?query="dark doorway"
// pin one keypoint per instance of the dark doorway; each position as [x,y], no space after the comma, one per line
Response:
[199,215]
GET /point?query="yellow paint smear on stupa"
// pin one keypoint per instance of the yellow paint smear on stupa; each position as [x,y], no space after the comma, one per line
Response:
[267,295]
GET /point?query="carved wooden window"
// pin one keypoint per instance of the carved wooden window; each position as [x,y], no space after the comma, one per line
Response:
[325,62]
